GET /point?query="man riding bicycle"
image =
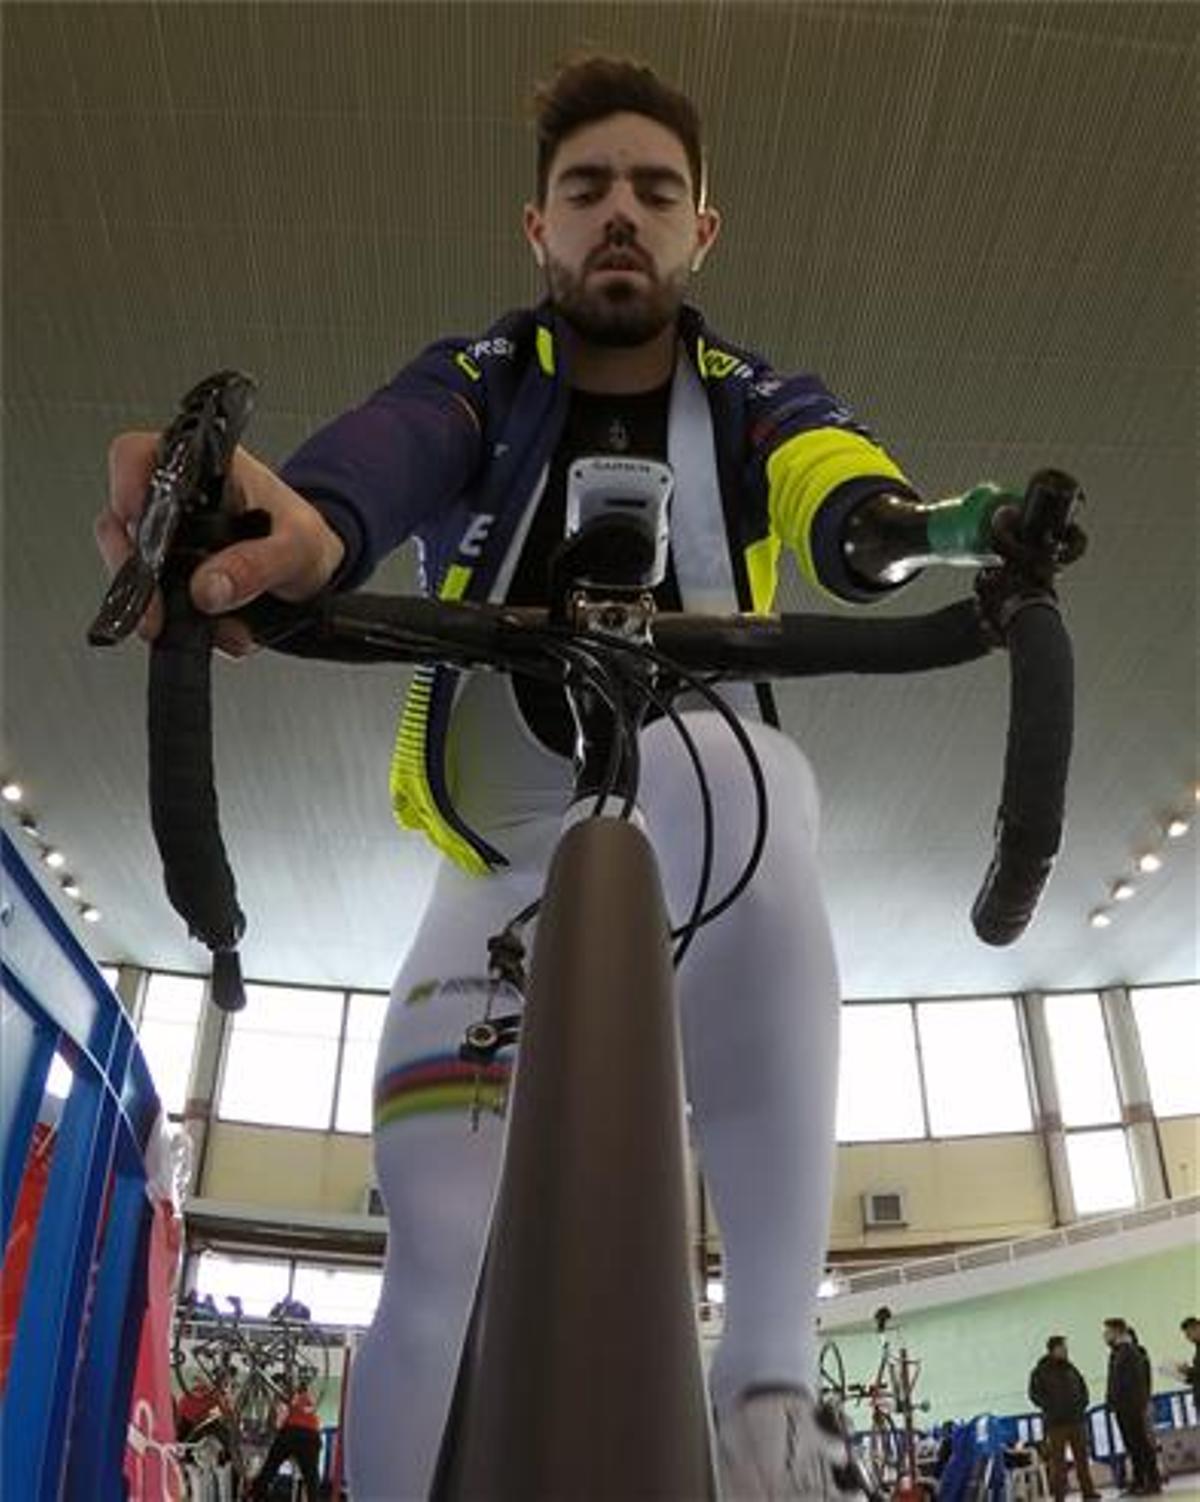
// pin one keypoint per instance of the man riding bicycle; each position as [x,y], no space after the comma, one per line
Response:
[467,451]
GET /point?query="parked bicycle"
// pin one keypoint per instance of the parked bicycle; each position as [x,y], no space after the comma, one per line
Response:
[233,1374]
[887,1441]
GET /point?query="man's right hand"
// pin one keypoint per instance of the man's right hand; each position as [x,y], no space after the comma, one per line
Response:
[295,561]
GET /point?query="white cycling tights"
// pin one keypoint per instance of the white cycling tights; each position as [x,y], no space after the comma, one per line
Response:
[759,1005]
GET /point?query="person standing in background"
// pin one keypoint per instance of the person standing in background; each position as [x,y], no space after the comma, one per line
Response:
[297,1439]
[1128,1395]
[1058,1389]
[1189,1371]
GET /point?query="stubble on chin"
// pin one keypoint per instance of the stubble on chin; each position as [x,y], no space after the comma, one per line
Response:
[618,315]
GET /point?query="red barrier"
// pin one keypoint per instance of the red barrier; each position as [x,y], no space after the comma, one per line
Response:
[151,1471]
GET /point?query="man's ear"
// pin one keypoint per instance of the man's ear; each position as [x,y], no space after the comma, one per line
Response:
[708,227]
[534,226]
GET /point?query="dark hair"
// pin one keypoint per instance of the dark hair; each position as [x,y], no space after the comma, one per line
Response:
[1192,1319]
[1056,1340]
[1117,1324]
[591,86]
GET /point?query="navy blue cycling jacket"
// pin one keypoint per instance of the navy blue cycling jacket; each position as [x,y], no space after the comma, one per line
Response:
[454,451]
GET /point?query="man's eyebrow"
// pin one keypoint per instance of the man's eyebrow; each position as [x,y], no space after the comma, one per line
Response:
[601,172]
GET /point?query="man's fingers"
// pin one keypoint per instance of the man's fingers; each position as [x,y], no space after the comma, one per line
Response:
[239,574]
[113,540]
[130,464]
[152,622]
[233,638]
[115,547]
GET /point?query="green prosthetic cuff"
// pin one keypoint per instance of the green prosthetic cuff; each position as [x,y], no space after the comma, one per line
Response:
[961,527]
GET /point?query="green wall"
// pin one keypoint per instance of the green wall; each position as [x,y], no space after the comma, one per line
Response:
[976,1355]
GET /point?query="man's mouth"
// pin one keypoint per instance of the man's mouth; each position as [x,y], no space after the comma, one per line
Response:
[619,260]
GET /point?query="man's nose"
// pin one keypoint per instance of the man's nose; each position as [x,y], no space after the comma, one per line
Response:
[623,206]
[620,230]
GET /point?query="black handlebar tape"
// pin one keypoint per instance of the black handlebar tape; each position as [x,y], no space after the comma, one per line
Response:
[183,799]
[365,627]
[797,646]
[1030,820]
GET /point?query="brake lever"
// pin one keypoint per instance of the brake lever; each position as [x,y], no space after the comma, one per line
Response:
[1037,540]
[187,483]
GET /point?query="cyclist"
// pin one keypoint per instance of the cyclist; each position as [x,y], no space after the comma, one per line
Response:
[297,1439]
[466,451]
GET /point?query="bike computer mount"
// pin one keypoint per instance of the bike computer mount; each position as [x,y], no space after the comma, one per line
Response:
[614,554]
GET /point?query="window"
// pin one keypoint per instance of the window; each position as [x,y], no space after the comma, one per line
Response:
[974,1068]
[1101,1176]
[109,972]
[338,1295]
[282,1058]
[256,1281]
[879,1085]
[167,1034]
[1083,1071]
[1168,1023]
[364,1024]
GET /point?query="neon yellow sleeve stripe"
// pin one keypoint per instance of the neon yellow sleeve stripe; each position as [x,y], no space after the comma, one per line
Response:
[412,798]
[455,583]
[805,470]
[762,568]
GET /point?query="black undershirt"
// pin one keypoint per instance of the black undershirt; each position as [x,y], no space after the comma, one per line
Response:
[596,424]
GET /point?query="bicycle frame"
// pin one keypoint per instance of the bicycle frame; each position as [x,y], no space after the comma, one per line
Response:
[581,1371]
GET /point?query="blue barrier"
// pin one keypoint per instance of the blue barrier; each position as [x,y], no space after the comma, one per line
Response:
[65,1406]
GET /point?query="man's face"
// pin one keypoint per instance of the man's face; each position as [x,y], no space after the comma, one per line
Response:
[1111,1337]
[619,233]
[1058,1351]
[1192,1331]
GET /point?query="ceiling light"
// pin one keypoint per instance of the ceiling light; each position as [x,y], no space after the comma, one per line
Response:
[91,915]
[1149,862]
[54,859]
[1123,891]
[830,1286]
[12,792]
[1100,919]
[71,887]
[1177,827]
[29,825]
[715,1291]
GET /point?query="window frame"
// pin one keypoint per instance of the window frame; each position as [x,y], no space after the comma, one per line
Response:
[1133,992]
[1112,1128]
[1115,1119]
[1023,1053]
[145,982]
[923,1136]
[344,996]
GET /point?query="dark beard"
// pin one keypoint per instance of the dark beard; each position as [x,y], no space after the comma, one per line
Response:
[621,316]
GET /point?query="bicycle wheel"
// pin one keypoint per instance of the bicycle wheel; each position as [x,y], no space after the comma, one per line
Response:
[884,1449]
[832,1373]
[581,1376]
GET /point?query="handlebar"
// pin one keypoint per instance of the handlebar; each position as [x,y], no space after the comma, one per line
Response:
[379,628]
[1014,606]
[366,628]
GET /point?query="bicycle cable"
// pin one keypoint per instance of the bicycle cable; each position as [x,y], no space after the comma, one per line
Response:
[687,933]
[599,677]
[698,685]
